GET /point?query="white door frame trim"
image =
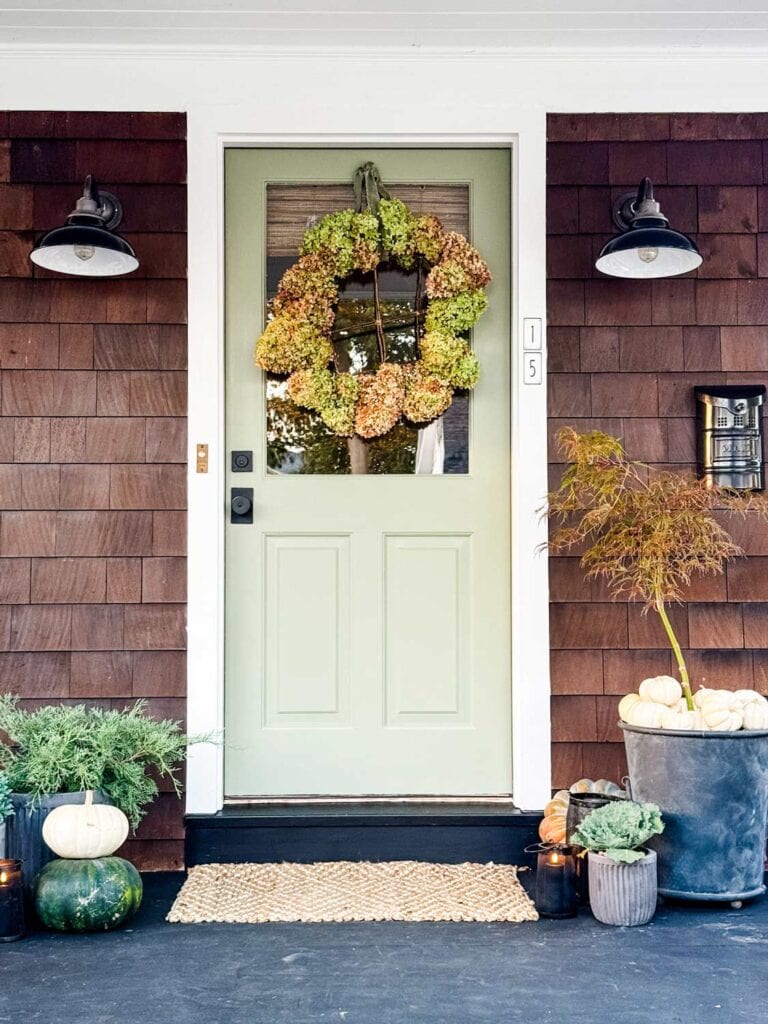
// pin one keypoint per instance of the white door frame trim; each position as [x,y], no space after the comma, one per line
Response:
[207,142]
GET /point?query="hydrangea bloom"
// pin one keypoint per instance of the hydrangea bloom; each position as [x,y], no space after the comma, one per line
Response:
[425,397]
[333,396]
[381,400]
[289,344]
[449,359]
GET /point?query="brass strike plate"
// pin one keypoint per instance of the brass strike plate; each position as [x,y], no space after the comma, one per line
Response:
[202,458]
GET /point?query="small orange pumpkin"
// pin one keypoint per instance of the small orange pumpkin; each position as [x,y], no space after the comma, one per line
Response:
[552,825]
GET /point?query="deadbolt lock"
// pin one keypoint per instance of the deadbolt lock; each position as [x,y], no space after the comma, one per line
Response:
[242,462]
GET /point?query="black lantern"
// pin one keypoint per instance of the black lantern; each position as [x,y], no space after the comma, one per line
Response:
[647,247]
[87,244]
[555,881]
[11,901]
[580,806]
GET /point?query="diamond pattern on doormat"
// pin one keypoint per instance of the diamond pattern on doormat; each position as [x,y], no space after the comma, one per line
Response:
[352,891]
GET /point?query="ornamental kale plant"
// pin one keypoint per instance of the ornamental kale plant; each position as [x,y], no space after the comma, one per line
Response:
[6,807]
[618,829]
[60,749]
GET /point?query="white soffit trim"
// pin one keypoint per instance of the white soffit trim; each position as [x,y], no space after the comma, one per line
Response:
[570,27]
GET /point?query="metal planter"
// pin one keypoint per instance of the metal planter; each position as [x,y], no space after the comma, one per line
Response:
[712,788]
[24,839]
[622,894]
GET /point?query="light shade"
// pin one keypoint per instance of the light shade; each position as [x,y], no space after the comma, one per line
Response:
[87,245]
[648,247]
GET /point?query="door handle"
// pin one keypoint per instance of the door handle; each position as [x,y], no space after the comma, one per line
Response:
[241,505]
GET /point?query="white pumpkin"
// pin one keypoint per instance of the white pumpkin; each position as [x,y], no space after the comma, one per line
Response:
[723,698]
[756,715]
[661,690]
[720,718]
[742,698]
[85,831]
[607,787]
[646,713]
[683,720]
[626,704]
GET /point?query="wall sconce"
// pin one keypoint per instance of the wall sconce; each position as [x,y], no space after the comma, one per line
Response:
[87,245]
[730,435]
[647,247]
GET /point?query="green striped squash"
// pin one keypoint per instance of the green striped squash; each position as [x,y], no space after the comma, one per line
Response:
[87,895]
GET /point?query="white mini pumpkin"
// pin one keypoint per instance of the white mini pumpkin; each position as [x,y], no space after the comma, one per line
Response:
[626,704]
[683,720]
[646,713]
[661,690]
[720,718]
[742,698]
[85,831]
[607,787]
[756,715]
[722,697]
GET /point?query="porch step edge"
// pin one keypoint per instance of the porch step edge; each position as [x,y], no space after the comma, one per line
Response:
[448,835]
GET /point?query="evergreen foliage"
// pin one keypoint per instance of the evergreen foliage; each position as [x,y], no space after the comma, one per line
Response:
[64,749]
[6,807]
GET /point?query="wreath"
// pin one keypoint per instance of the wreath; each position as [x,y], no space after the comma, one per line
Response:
[300,343]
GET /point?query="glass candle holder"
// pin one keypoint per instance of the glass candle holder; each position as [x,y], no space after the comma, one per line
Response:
[556,881]
[11,901]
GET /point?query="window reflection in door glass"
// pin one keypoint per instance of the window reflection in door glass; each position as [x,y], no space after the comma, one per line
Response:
[297,440]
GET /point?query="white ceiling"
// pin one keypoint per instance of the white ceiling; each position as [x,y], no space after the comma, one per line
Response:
[486,25]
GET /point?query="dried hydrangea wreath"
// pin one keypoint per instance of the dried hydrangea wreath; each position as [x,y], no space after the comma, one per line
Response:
[298,339]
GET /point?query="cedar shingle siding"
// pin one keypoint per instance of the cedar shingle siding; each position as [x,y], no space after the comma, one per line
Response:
[624,357]
[93,431]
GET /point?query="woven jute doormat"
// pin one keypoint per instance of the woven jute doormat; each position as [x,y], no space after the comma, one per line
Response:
[352,891]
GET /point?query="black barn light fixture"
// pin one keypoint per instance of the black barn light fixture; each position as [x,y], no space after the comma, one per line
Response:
[647,247]
[87,244]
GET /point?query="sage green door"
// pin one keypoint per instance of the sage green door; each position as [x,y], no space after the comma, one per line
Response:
[368,603]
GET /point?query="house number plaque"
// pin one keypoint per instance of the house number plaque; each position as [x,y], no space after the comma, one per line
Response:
[532,354]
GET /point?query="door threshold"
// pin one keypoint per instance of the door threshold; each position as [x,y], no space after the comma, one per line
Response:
[379,801]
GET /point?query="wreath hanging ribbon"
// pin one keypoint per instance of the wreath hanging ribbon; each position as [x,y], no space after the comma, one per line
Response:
[298,341]
[368,181]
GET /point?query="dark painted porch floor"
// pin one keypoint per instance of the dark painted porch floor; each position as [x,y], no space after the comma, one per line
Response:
[691,964]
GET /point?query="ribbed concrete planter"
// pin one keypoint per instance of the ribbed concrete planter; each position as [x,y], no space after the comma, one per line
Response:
[25,830]
[712,788]
[622,894]
[2,839]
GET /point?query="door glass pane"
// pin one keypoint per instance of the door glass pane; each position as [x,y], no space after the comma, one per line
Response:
[297,439]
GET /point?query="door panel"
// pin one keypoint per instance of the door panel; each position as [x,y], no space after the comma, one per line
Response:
[427,624]
[307,595]
[367,615]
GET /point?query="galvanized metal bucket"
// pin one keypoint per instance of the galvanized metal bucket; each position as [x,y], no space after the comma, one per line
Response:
[712,788]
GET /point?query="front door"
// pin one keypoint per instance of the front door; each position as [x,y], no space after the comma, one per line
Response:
[368,602]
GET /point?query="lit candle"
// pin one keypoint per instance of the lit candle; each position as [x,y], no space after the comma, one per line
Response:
[11,901]
[556,882]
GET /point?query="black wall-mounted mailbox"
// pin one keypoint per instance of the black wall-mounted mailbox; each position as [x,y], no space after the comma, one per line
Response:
[730,435]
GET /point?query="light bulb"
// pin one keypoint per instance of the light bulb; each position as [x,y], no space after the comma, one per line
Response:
[84,252]
[648,255]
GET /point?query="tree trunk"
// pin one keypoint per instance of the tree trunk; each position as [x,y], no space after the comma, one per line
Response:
[358,455]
